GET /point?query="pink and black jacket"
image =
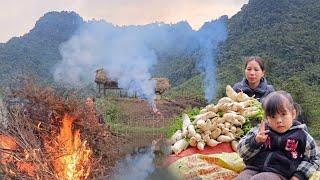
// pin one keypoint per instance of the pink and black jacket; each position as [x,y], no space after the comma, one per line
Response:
[293,153]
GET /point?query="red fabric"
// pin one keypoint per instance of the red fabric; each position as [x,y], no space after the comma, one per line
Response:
[220,148]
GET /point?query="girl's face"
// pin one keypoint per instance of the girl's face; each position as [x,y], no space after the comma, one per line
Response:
[253,73]
[282,121]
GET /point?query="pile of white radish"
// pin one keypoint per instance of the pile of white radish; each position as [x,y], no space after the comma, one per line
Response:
[215,123]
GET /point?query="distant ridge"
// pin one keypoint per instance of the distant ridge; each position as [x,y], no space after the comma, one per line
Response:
[38,50]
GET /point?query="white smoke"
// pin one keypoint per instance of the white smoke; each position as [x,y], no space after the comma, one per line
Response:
[128,54]
[135,167]
[209,36]
[123,55]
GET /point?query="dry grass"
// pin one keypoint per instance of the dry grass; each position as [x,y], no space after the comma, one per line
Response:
[35,118]
[36,114]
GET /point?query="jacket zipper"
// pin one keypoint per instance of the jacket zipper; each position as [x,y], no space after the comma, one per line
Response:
[279,142]
[267,160]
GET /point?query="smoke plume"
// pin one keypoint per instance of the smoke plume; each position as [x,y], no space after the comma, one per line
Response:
[209,36]
[129,53]
[136,167]
[123,55]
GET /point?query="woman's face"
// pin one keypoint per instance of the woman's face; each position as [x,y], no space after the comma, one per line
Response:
[89,102]
[253,73]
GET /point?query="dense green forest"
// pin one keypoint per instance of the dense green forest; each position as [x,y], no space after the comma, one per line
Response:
[284,32]
[37,51]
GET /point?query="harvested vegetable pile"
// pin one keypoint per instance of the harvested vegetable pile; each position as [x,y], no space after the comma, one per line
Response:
[227,121]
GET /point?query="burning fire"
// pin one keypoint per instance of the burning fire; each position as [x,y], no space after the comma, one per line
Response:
[9,144]
[70,156]
[156,111]
[73,160]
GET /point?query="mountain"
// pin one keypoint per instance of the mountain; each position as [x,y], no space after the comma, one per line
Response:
[286,34]
[281,31]
[177,46]
[38,50]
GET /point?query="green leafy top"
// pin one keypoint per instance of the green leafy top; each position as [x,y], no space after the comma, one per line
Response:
[176,124]
[259,116]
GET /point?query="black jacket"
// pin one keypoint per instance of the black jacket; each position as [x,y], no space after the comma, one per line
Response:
[282,155]
[260,92]
[293,153]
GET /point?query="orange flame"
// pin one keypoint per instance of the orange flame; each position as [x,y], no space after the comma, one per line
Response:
[71,155]
[74,158]
[9,144]
[6,143]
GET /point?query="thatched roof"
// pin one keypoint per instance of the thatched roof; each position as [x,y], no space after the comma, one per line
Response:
[162,84]
[101,76]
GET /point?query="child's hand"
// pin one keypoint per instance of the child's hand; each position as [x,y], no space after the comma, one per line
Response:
[261,137]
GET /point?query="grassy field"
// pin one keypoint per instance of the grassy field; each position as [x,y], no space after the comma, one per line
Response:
[126,128]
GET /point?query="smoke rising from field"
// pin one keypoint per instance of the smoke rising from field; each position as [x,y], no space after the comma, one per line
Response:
[129,53]
[135,167]
[209,36]
[122,54]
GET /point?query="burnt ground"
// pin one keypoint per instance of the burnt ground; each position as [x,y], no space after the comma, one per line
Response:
[140,110]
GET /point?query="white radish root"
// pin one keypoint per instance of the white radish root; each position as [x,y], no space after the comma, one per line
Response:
[212,143]
[231,93]
[224,138]
[180,146]
[234,145]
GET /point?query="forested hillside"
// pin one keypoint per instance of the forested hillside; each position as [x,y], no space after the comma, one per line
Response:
[38,50]
[286,34]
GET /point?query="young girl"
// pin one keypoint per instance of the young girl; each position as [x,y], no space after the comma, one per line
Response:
[280,149]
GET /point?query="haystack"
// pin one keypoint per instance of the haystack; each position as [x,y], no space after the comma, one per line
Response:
[162,84]
[101,76]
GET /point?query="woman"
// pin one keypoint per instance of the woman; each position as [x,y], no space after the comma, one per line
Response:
[254,83]
[92,110]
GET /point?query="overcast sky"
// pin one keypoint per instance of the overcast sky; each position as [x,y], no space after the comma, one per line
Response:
[18,17]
